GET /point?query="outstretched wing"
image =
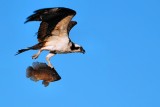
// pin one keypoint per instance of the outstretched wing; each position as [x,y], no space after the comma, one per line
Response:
[52,20]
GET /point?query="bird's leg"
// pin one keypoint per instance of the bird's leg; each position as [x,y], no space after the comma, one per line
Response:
[35,56]
[48,59]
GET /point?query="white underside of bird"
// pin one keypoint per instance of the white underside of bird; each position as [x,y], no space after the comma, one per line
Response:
[56,45]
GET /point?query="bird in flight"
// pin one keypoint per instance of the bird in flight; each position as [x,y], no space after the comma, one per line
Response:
[53,33]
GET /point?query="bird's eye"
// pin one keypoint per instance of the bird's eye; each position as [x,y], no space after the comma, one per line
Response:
[77,48]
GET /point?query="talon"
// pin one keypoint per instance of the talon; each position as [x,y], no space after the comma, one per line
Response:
[35,56]
[50,65]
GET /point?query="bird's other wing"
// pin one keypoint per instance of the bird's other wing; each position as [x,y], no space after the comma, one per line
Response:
[51,18]
[42,32]
[71,25]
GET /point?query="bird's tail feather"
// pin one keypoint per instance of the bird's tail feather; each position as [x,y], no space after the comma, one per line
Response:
[35,47]
[22,50]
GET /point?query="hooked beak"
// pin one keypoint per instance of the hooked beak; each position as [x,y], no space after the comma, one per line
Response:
[83,51]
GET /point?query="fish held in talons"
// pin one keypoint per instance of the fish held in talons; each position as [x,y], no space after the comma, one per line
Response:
[41,71]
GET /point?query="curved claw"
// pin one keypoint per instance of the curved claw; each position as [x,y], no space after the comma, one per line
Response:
[50,65]
[35,56]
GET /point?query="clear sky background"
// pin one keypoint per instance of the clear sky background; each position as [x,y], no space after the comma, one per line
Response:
[121,67]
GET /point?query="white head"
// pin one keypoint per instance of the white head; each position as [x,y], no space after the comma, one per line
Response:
[77,48]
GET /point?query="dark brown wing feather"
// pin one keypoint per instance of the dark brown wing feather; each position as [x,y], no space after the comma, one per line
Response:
[42,31]
[50,17]
[71,25]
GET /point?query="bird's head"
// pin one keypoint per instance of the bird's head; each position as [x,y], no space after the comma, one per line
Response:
[77,48]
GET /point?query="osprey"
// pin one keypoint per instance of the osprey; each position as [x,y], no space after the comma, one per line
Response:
[53,33]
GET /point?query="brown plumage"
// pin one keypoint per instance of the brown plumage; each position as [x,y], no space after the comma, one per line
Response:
[51,20]
[42,31]
[53,33]
[71,25]
[41,71]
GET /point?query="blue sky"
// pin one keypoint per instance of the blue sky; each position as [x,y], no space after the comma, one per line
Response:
[121,67]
